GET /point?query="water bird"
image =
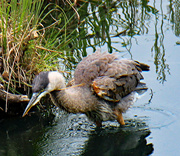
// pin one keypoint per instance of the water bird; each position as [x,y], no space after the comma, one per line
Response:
[103,87]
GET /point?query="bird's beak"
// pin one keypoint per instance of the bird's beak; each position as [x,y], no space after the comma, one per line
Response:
[36,97]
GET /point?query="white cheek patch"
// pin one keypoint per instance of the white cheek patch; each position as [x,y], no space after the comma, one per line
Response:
[56,81]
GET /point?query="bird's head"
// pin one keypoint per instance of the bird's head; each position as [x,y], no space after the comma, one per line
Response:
[43,84]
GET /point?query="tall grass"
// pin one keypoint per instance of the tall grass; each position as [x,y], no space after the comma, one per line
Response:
[32,38]
[18,25]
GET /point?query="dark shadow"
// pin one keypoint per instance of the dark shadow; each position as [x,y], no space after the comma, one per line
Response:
[19,135]
[113,141]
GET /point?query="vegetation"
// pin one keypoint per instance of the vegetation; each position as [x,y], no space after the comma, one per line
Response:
[22,35]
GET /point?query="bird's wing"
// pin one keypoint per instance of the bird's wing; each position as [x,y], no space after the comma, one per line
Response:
[113,89]
[109,77]
[120,79]
[92,66]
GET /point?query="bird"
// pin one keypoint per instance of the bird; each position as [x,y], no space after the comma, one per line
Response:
[103,87]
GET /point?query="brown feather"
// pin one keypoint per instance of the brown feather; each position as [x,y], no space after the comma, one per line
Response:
[109,77]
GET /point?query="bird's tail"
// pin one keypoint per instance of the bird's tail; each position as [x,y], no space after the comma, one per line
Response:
[142,66]
[141,88]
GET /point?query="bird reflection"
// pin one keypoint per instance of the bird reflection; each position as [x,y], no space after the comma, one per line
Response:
[118,142]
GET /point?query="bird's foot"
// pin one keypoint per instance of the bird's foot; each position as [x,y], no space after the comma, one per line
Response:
[98,124]
[119,117]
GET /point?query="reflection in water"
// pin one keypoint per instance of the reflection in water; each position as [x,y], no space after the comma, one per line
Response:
[75,135]
[106,23]
[135,16]
[174,16]
[123,19]
[159,49]
[177,17]
[18,135]
[118,141]
[111,23]
[114,24]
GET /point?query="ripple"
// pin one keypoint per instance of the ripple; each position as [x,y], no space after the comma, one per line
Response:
[153,117]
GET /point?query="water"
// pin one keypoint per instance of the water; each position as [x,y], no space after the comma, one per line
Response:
[152,125]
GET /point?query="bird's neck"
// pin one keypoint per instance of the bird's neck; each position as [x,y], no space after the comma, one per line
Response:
[74,100]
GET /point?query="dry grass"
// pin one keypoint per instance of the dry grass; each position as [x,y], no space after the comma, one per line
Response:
[19,56]
[14,65]
[25,47]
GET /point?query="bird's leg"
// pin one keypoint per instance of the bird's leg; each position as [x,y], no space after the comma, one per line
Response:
[98,123]
[119,117]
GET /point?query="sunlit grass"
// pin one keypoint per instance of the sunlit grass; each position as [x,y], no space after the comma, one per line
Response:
[26,50]
[18,25]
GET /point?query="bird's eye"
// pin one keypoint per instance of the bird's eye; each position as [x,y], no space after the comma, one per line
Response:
[42,90]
